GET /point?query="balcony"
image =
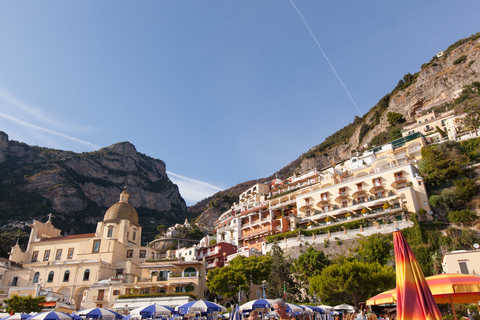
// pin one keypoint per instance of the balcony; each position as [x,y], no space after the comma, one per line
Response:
[99,299]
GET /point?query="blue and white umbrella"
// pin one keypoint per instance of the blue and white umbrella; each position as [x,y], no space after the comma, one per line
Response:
[294,309]
[99,313]
[311,309]
[152,311]
[257,304]
[236,315]
[18,316]
[200,306]
[52,315]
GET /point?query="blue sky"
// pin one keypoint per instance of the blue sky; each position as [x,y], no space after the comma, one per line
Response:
[222,91]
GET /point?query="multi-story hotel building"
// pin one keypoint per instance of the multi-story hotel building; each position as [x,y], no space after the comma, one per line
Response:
[358,187]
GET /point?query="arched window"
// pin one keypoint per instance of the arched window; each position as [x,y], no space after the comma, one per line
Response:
[35,277]
[66,276]
[190,272]
[50,277]
[86,275]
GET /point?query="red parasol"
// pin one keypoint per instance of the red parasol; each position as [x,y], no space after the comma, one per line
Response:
[414,298]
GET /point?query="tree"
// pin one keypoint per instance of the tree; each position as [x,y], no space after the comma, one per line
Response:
[310,263]
[462,216]
[442,162]
[161,229]
[352,282]
[280,275]
[375,248]
[254,270]
[465,189]
[24,304]
[395,118]
[224,282]
[241,273]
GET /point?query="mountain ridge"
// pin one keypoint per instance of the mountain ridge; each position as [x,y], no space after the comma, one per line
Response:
[457,66]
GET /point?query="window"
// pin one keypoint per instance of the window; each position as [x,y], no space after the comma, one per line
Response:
[86,275]
[66,276]
[35,256]
[96,246]
[109,232]
[463,267]
[419,183]
[59,254]
[46,255]
[50,277]
[134,235]
[129,253]
[14,281]
[35,277]
[142,254]
[116,292]
[70,253]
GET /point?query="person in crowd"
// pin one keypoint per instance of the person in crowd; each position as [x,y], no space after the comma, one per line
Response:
[253,315]
[280,308]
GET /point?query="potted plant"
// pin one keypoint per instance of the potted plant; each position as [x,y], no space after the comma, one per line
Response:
[364,211]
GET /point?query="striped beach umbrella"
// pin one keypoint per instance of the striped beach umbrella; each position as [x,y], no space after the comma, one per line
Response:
[52,315]
[414,298]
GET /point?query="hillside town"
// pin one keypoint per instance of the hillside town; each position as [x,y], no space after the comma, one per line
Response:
[372,192]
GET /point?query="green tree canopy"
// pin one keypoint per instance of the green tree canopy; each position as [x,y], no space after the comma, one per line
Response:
[462,216]
[281,275]
[352,282]
[442,162]
[24,304]
[241,272]
[395,118]
[310,263]
[375,248]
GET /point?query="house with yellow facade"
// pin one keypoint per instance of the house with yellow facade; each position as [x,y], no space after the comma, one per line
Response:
[95,269]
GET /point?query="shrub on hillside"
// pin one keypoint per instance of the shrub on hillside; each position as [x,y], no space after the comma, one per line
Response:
[462,216]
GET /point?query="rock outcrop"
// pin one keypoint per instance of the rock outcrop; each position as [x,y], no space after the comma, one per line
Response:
[437,81]
[85,184]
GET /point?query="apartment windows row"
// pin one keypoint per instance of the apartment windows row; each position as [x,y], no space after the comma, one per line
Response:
[58,255]
[141,254]
[66,276]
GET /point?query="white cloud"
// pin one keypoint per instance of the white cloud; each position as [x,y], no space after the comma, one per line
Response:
[193,190]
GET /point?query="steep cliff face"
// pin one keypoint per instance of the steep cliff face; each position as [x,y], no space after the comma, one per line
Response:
[80,187]
[438,80]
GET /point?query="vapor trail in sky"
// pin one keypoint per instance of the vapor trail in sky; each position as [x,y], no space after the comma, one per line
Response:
[33,126]
[326,58]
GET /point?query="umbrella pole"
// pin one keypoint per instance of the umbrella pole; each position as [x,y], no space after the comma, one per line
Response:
[453,307]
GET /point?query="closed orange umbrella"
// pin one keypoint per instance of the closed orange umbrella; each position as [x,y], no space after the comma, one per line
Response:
[414,298]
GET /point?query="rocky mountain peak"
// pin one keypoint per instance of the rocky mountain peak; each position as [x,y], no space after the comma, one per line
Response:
[124,148]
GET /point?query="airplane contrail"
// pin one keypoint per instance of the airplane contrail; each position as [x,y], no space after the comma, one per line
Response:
[33,126]
[326,58]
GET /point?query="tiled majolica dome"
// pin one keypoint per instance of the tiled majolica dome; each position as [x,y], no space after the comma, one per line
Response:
[121,210]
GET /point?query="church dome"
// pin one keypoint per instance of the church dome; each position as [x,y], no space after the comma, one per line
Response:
[121,210]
